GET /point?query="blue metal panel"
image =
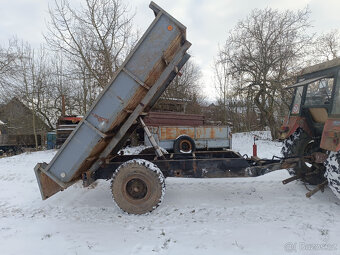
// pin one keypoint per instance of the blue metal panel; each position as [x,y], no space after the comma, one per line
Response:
[73,155]
[151,50]
[218,143]
[166,144]
[113,102]
[205,137]
[202,144]
[51,140]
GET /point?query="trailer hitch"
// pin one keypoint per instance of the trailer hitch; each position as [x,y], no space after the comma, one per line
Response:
[264,166]
[316,157]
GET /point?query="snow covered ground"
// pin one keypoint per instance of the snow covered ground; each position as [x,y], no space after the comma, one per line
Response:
[266,148]
[198,216]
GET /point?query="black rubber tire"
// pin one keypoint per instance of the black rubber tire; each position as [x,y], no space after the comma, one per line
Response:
[184,144]
[138,186]
[301,144]
[332,173]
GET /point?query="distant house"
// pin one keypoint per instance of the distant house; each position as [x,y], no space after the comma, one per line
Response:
[17,120]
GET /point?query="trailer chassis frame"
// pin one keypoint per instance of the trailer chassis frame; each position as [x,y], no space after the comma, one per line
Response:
[202,164]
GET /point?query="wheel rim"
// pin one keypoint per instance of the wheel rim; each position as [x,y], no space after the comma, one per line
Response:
[136,188]
[313,166]
[308,151]
[185,146]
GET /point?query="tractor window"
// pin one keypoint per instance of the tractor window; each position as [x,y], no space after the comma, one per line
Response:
[319,92]
[336,102]
[297,100]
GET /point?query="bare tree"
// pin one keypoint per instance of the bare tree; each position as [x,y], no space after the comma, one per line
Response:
[60,84]
[186,87]
[263,52]
[327,46]
[223,86]
[8,59]
[95,38]
[29,83]
[233,107]
[85,87]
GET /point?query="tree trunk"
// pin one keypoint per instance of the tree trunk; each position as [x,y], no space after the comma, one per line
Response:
[34,131]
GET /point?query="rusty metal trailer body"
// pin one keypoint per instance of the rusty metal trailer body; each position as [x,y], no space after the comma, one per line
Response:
[65,126]
[136,86]
[205,137]
[156,119]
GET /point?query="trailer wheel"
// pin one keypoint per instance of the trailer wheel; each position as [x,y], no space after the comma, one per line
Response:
[138,186]
[184,144]
[332,173]
[301,144]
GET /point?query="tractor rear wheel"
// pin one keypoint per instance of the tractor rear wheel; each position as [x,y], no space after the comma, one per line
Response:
[138,186]
[332,173]
[300,144]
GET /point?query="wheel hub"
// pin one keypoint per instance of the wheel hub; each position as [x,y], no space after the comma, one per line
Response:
[136,188]
[313,170]
[185,146]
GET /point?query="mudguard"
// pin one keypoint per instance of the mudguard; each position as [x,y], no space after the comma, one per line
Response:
[331,135]
[292,124]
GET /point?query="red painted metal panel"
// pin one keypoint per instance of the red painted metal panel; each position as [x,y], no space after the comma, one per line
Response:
[331,135]
[173,119]
[292,124]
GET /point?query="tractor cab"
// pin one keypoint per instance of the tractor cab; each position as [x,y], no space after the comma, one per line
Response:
[313,101]
[316,100]
[311,131]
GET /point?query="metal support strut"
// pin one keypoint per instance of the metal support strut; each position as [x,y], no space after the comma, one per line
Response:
[321,187]
[151,139]
[293,178]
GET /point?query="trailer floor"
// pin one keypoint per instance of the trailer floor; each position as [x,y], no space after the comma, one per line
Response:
[198,216]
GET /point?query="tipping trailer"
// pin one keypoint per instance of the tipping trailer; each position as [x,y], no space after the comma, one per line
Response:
[136,86]
[91,151]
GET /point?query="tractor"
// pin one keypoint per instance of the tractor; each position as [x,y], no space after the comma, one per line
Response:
[311,131]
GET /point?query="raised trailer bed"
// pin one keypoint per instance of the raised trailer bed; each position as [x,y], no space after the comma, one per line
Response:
[139,82]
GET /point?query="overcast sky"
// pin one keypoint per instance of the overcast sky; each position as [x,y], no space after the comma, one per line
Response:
[207,21]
